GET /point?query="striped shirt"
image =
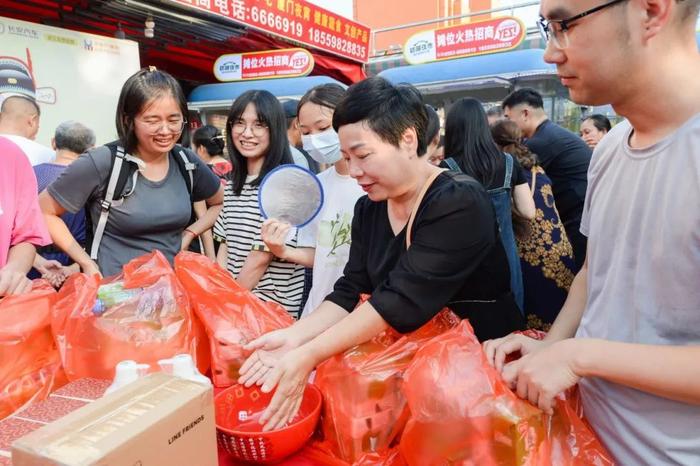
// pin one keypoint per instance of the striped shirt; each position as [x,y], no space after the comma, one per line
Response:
[239,224]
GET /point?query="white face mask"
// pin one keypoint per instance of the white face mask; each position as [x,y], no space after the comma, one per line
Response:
[322,147]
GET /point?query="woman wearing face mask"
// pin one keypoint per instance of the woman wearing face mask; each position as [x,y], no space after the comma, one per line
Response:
[325,243]
[257,142]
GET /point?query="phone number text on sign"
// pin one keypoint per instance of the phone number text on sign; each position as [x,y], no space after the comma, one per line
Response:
[314,36]
[294,20]
[262,18]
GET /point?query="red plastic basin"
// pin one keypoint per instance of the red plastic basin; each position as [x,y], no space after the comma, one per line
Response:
[239,433]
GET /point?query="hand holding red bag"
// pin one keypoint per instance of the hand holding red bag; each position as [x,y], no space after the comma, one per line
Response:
[463,413]
[232,315]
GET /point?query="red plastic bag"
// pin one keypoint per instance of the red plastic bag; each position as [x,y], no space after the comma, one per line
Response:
[232,315]
[318,452]
[364,409]
[143,314]
[462,413]
[30,366]
[392,457]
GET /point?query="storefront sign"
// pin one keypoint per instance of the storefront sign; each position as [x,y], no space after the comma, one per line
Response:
[294,20]
[465,40]
[284,63]
[71,74]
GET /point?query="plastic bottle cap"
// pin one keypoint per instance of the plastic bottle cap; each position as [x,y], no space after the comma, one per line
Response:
[126,372]
[182,365]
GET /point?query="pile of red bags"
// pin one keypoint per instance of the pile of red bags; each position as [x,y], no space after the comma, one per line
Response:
[364,408]
[146,313]
[430,398]
[143,314]
[30,365]
[232,315]
[424,398]
[462,413]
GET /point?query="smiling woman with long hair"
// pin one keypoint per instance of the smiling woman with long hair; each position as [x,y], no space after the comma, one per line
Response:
[256,137]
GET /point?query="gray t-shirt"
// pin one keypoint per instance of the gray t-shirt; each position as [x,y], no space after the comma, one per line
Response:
[642,220]
[152,217]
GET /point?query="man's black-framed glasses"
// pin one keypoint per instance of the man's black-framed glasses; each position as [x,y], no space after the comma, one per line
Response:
[555,29]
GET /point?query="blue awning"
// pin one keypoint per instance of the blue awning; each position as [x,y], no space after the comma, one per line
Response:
[225,93]
[480,71]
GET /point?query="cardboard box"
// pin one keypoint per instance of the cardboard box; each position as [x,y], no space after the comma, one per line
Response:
[65,400]
[158,420]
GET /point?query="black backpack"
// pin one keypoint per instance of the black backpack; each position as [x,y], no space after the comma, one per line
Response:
[122,168]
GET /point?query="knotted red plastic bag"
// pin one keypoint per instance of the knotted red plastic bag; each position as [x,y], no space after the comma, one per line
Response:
[30,367]
[364,409]
[143,314]
[232,315]
[462,413]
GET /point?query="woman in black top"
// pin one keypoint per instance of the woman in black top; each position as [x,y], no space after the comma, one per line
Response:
[454,260]
[472,150]
[455,257]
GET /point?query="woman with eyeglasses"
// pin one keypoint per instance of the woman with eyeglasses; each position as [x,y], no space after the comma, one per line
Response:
[256,137]
[153,210]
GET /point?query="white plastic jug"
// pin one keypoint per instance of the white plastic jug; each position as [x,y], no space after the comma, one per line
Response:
[126,372]
[183,366]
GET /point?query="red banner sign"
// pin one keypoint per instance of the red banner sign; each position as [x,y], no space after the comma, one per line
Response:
[464,40]
[294,20]
[284,63]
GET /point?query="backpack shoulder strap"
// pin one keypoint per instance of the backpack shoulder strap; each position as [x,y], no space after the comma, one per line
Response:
[186,167]
[452,163]
[118,176]
[122,170]
[509,171]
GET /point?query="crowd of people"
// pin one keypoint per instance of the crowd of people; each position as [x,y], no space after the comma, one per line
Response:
[500,214]
[215,211]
